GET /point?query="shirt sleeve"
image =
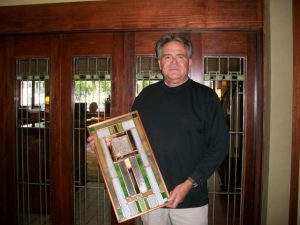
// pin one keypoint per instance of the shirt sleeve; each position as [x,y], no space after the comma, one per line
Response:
[216,137]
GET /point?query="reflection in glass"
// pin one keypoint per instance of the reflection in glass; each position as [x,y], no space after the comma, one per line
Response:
[32,116]
[226,76]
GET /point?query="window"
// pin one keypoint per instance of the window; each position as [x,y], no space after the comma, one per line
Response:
[226,76]
[31,74]
[147,72]
[92,92]
[92,82]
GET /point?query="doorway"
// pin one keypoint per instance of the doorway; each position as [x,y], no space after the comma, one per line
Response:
[117,65]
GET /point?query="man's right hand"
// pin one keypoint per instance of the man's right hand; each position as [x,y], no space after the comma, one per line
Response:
[91,143]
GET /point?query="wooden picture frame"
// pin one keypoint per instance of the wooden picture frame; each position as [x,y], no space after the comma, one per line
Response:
[130,171]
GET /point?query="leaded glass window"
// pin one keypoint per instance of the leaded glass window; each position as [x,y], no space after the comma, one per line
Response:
[32,115]
[226,75]
[92,92]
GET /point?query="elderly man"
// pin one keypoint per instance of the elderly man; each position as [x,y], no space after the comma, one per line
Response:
[187,130]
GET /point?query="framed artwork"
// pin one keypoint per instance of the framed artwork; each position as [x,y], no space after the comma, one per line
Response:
[128,166]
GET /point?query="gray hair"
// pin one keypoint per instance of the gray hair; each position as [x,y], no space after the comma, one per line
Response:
[174,37]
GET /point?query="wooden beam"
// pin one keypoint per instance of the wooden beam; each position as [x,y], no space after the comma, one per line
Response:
[132,15]
[8,179]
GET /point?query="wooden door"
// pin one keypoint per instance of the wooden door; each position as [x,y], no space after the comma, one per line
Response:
[102,59]
[32,61]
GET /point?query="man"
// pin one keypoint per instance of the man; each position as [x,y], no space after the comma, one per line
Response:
[187,130]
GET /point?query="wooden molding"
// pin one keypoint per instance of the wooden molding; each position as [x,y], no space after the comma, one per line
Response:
[132,15]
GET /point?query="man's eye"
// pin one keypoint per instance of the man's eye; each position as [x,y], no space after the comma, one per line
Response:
[166,57]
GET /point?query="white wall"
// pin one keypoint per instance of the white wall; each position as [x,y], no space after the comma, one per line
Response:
[278,112]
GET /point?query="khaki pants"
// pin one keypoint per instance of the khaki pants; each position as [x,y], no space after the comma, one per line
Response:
[167,216]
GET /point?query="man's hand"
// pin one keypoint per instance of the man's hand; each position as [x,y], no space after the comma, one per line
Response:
[178,194]
[91,143]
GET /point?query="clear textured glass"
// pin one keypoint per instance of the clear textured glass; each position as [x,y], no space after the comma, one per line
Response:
[226,76]
[32,116]
[92,92]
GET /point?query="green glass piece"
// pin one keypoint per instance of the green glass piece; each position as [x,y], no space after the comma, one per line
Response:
[142,204]
[147,204]
[240,77]
[138,206]
[111,130]
[228,77]
[164,195]
[121,180]
[134,115]
[139,160]
[120,127]
[92,129]
[120,213]
[219,77]
[206,77]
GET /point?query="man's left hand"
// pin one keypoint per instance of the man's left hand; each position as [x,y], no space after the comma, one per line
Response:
[178,194]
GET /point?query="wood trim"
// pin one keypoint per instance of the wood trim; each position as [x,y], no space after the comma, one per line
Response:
[254,132]
[197,71]
[294,186]
[258,132]
[8,185]
[132,15]
[60,143]
[123,73]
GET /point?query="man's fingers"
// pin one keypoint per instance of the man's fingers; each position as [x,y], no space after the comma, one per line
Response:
[91,143]
[172,200]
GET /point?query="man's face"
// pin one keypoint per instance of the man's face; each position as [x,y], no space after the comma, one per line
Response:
[174,63]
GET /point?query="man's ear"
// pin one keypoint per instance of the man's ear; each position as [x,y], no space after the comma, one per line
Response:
[190,62]
[159,64]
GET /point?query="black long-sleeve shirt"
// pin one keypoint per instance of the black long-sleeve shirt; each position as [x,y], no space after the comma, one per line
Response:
[187,131]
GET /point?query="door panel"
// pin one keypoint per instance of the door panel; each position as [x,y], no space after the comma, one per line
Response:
[32,75]
[100,79]
[242,45]
[89,59]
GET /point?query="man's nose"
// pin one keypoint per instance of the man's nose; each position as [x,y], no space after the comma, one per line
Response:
[174,59]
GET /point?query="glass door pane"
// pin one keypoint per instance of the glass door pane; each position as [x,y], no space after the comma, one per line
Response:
[33,182]
[226,76]
[92,91]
